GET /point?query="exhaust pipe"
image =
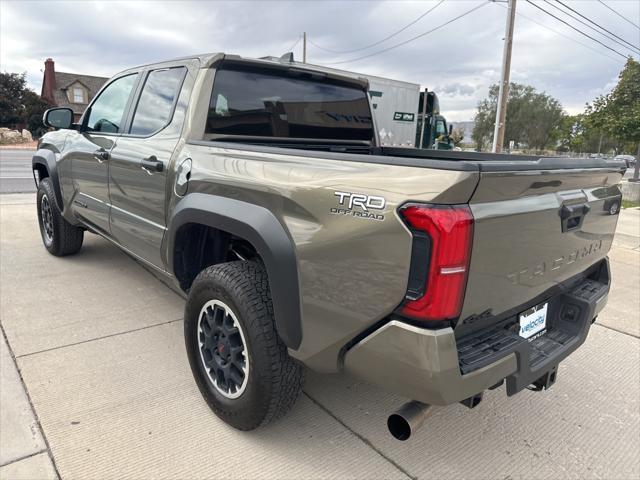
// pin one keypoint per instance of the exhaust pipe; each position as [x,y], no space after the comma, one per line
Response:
[407,419]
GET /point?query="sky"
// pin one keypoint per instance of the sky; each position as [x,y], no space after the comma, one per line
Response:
[459,61]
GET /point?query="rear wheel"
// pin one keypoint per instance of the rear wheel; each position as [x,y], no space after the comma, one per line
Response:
[60,238]
[241,366]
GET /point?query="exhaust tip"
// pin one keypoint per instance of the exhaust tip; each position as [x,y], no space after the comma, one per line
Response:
[407,420]
[399,427]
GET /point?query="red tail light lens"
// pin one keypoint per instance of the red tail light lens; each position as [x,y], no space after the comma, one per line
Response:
[450,231]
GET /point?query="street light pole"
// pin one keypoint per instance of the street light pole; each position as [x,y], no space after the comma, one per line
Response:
[503,93]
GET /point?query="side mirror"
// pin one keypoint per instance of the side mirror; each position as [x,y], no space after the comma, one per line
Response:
[450,129]
[58,118]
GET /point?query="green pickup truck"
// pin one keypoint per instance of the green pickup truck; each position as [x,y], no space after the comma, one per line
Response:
[260,189]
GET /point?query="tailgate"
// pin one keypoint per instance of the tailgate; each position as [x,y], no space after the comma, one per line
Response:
[537,224]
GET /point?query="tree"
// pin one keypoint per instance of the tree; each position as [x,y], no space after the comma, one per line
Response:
[575,134]
[457,136]
[533,118]
[34,108]
[20,105]
[482,132]
[11,87]
[617,114]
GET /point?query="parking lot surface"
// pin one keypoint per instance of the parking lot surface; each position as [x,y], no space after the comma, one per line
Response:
[98,345]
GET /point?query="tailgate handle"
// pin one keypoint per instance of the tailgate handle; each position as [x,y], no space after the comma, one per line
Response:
[572,216]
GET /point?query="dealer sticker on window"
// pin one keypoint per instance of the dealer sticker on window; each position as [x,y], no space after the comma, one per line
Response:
[533,321]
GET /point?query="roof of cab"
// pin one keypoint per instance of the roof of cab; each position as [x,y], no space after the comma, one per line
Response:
[208,60]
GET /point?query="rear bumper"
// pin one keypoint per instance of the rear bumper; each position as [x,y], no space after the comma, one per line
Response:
[434,367]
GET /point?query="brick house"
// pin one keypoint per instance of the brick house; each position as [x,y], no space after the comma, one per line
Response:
[70,90]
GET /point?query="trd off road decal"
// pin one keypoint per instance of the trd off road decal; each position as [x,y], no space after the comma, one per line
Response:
[359,205]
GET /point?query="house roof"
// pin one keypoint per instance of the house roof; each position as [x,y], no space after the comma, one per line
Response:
[64,80]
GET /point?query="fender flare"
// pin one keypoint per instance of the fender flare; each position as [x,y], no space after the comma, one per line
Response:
[262,229]
[47,159]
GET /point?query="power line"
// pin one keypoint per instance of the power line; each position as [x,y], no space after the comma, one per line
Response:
[411,39]
[619,14]
[573,17]
[379,41]
[576,29]
[295,44]
[594,23]
[557,32]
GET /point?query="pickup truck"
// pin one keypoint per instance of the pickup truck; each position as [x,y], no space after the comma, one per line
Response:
[259,188]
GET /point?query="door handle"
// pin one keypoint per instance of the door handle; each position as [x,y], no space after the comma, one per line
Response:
[101,155]
[151,165]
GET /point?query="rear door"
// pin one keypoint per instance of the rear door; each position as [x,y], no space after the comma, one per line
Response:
[141,159]
[537,224]
[89,150]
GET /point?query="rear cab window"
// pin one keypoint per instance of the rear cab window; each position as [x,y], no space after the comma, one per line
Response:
[286,104]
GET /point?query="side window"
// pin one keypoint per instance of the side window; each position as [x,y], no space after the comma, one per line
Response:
[107,111]
[158,97]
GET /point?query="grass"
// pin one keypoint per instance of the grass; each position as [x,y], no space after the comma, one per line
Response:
[630,204]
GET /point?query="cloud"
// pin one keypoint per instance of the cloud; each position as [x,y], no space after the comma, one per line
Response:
[459,61]
[456,89]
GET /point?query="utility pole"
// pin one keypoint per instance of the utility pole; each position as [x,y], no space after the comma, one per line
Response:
[304,47]
[503,94]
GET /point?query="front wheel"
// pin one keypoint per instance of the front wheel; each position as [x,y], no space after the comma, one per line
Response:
[239,362]
[60,238]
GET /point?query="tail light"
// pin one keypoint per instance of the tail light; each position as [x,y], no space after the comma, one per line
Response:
[448,232]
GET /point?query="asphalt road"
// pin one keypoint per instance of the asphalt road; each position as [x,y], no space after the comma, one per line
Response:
[15,171]
[98,344]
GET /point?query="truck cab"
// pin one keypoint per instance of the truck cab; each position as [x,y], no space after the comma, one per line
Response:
[435,135]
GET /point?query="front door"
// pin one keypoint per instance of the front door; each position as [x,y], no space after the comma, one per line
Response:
[139,165]
[90,151]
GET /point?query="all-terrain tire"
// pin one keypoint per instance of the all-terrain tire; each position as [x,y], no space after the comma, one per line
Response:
[60,238]
[274,378]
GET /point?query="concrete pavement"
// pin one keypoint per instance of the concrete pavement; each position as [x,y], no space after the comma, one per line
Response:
[98,342]
[23,451]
